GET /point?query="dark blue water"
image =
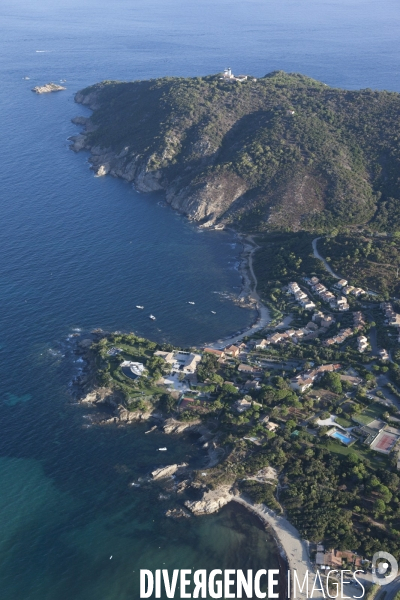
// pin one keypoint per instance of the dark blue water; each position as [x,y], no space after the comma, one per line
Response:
[79,251]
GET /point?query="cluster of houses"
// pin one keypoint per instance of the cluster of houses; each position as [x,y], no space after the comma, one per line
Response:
[303,381]
[339,303]
[343,334]
[392,318]
[317,326]
[300,296]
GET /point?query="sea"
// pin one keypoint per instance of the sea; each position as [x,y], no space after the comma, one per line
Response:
[80,252]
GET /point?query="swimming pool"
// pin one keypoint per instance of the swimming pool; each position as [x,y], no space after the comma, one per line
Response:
[342,438]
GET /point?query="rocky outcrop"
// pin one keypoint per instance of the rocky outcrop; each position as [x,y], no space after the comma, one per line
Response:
[211,502]
[101,396]
[128,416]
[172,426]
[168,471]
[49,87]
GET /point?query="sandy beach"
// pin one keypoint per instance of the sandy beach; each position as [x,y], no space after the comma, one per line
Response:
[287,537]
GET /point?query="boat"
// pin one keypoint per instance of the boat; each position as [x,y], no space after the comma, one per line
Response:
[162,449]
[152,317]
[137,306]
[213,312]
[191,303]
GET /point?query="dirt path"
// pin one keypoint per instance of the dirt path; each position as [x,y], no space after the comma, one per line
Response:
[317,255]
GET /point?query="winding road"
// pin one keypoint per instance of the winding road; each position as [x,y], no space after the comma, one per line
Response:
[317,255]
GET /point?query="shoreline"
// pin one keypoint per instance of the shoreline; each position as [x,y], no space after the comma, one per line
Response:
[248,290]
[286,536]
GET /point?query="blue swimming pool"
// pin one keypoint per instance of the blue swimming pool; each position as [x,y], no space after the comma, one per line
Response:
[342,438]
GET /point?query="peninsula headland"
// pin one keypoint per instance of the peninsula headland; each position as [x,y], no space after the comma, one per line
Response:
[301,414]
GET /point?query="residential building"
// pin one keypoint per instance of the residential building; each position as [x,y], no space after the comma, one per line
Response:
[232,351]
[341,283]
[261,344]
[219,353]
[242,368]
[242,405]
[383,354]
[362,343]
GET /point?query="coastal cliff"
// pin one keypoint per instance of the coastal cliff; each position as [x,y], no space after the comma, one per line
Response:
[280,152]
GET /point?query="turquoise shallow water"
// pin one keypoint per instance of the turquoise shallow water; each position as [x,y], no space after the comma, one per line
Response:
[81,252]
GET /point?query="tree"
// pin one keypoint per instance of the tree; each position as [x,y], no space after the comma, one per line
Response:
[331,381]
[379,506]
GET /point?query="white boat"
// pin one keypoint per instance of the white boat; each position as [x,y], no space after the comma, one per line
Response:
[213,312]
[152,317]
[191,303]
[162,449]
[137,306]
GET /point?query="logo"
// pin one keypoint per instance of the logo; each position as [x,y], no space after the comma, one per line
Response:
[384,568]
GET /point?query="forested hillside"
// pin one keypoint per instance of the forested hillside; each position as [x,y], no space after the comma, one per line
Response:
[280,152]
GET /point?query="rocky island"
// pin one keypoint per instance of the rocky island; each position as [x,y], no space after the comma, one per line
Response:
[47,88]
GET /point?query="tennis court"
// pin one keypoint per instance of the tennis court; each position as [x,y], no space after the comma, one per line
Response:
[384,442]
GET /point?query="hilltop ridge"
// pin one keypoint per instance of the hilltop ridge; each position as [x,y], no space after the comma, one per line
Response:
[281,152]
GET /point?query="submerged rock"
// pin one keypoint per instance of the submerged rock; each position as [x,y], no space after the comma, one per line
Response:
[178,513]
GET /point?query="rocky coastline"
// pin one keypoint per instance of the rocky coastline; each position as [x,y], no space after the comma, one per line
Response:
[204,203]
[193,498]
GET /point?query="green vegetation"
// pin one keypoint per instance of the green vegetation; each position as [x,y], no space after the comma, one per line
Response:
[333,163]
[366,260]
[260,493]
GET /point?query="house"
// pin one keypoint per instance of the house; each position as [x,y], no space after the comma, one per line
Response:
[135,368]
[300,295]
[219,353]
[186,361]
[299,384]
[362,343]
[241,78]
[261,344]
[327,321]
[276,338]
[314,280]
[319,288]
[232,351]
[347,290]
[395,319]
[293,287]
[309,305]
[341,283]
[252,385]
[271,426]
[358,319]
[242,405]
[357,292]
[242,368]
[311,326]
[383,354]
